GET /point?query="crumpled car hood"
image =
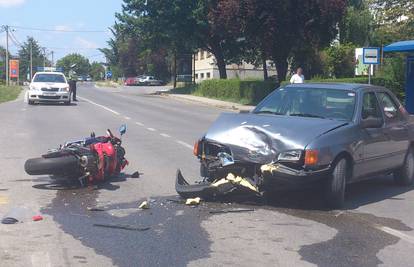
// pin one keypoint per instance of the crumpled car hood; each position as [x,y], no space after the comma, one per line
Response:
[260,138]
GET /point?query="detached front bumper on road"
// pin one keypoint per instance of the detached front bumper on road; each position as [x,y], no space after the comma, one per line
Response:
[274,177]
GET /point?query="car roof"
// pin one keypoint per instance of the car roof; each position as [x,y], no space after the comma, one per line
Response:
[49,72]
[337,86]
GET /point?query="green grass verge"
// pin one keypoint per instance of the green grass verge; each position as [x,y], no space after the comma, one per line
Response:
[9,93]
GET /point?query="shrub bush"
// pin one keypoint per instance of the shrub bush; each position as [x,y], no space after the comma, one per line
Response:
[241,91]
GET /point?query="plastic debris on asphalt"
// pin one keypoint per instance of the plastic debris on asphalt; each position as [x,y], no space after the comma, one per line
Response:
[193,201]
[144,205]
[135,175]
[122,227]
[230,211]
[37,218]
[9,220]
[95,209]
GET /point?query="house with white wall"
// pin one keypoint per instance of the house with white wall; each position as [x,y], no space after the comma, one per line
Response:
[205,68]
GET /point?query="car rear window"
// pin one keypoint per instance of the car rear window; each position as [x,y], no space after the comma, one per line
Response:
[49,78]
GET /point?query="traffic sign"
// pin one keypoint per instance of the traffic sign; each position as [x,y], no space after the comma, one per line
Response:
[109,74]
[371,55]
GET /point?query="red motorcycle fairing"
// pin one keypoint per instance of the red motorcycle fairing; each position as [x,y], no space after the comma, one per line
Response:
[107,160]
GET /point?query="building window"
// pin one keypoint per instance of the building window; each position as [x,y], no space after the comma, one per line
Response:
[208,75]
[196,76]
[202,55]
[202,75]
[196,56]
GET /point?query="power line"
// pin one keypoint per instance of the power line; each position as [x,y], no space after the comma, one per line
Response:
[73,48]
[57,30]
[14,39]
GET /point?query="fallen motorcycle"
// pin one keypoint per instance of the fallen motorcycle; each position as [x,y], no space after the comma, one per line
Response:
[89,160]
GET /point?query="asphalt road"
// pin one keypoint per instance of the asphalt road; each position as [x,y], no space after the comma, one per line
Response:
[293,229]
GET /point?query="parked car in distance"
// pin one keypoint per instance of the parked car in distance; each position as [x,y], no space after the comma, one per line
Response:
[131,81]
[150,80]
[328,135]
[49,87]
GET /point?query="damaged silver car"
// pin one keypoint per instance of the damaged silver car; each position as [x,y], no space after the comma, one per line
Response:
[328,134]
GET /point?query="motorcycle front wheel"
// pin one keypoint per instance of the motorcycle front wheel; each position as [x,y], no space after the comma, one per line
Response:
[52,166]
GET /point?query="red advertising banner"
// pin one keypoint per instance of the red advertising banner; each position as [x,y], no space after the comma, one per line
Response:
[14,68]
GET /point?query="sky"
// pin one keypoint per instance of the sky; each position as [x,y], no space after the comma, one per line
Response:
[63,16]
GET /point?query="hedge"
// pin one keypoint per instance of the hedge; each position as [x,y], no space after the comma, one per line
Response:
[249,92]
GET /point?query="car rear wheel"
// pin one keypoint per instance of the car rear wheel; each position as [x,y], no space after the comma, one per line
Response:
[404,176]
[31,102]
[335,191]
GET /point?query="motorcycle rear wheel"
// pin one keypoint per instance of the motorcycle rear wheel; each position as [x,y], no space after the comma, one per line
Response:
[52,166]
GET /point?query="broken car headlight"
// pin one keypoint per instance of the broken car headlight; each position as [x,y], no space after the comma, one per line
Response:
[292,155]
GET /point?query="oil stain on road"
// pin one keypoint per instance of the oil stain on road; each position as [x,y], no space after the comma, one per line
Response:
[174,238]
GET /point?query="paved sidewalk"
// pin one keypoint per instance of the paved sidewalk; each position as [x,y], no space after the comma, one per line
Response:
[211,102]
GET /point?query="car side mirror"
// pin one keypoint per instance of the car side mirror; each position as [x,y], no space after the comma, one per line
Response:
[372,122]
[123,129]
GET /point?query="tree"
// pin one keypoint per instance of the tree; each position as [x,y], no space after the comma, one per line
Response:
[181,26]
[394,20]
[2,63]
[37,55]
[97,71]
[341,60]
[356,25]
[279,28]
[82,64]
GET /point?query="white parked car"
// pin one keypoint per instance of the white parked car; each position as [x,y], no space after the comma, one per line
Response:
[49,87]
[149,80]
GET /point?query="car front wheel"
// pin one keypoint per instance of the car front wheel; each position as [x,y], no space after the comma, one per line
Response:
[335,191]
[405,175]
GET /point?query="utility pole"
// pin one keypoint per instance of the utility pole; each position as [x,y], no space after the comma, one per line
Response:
[44,57]
[6,28]
[53,53]
[31,61]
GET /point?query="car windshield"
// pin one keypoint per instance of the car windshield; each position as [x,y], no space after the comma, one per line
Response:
[310,102]
[49,78]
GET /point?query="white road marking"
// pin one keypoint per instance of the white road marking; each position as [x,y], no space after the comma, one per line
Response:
[396,233]
[165,135]
[185,144]
[139,123]
[41,259]
[101,106]
[26,97]
[151,129]
[127,118]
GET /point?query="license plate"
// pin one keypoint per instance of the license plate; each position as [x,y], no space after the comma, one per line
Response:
[49,94]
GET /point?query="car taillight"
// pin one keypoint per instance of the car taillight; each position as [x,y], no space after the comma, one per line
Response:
[311,157]
[196,149]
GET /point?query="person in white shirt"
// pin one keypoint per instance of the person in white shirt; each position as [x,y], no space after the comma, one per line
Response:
[298,77]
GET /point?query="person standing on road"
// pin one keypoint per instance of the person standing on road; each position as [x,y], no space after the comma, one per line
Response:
[72,86]
[298,77]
